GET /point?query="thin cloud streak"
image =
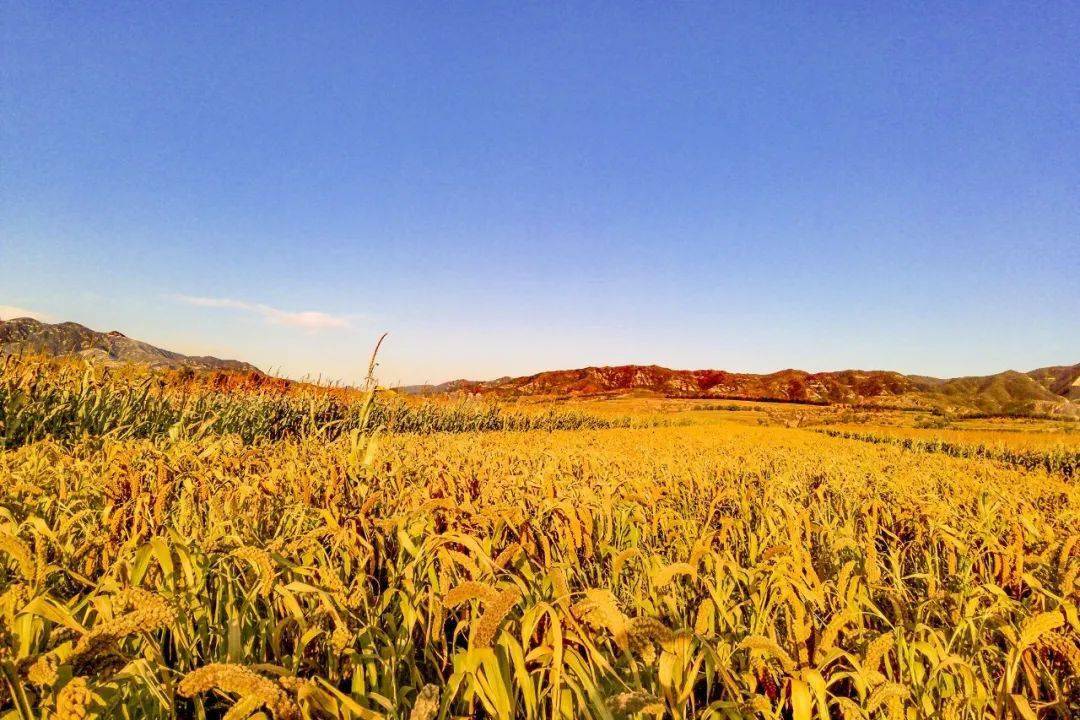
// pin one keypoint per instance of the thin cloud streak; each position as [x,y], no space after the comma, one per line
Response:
[306,319]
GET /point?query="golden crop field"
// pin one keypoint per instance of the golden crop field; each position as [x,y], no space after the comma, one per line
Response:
[444,567]
[1032,438]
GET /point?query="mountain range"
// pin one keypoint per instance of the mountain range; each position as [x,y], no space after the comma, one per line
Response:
[1050,391]
[72,339]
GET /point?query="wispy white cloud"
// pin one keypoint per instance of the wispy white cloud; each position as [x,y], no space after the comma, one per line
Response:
[307,319]
[10,312]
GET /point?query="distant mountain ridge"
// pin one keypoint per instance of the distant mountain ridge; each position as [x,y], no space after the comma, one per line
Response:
[72,339]
[1049,391]
[1046,391]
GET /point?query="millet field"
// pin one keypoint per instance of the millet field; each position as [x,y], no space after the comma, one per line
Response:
[171,548]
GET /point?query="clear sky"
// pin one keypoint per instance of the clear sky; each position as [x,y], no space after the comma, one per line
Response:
[508,188]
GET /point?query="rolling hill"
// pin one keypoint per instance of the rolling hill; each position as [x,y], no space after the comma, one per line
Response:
[72,339]
[1050,391]
[1046,391]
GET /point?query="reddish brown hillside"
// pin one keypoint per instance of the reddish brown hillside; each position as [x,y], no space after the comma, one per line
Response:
[790,385]
[1044,391]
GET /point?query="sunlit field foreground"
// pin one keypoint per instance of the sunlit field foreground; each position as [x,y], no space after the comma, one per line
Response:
[696,571]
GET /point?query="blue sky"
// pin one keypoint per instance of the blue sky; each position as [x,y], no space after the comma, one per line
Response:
[508,188]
